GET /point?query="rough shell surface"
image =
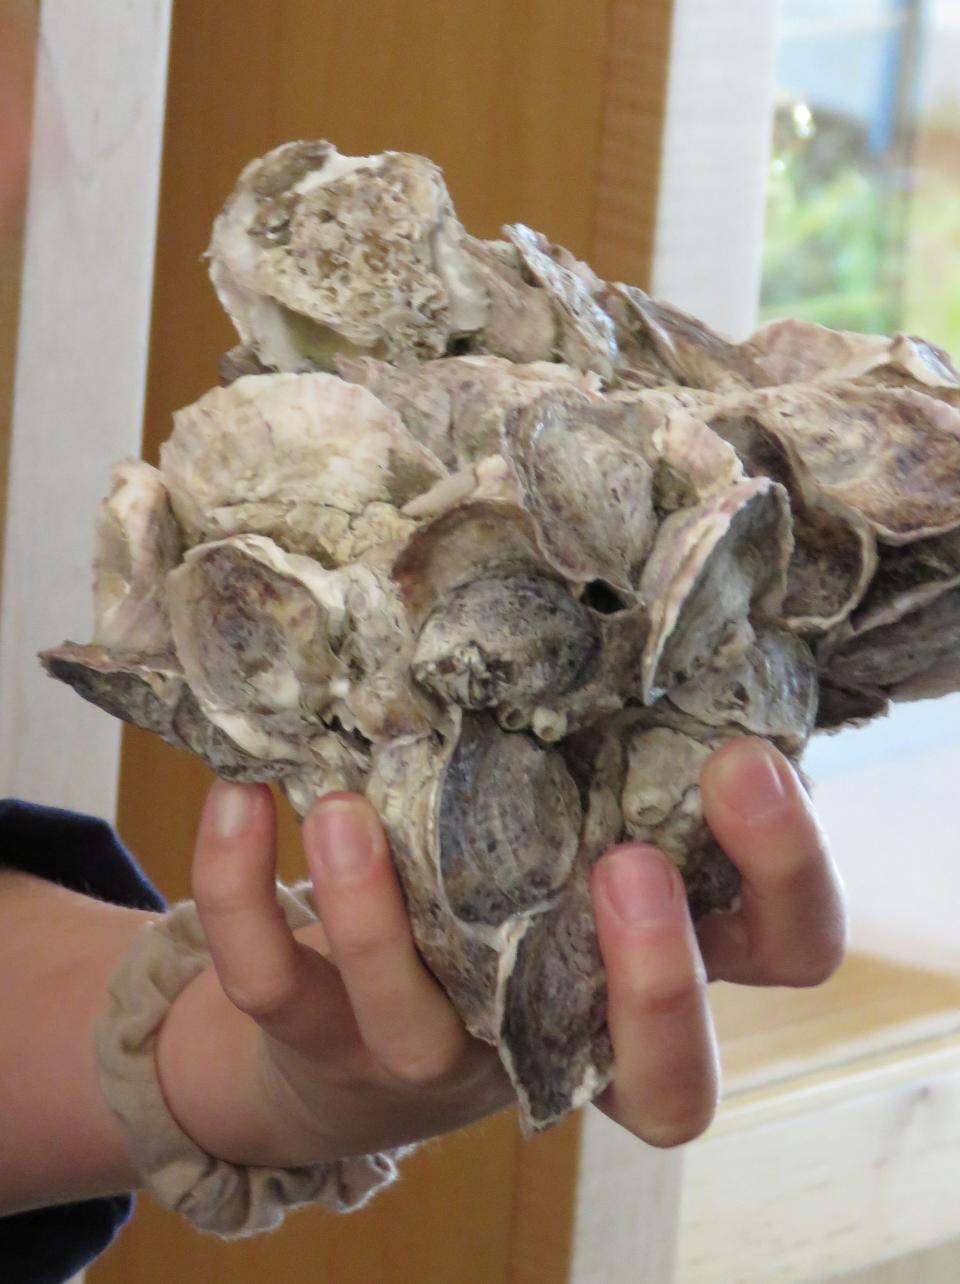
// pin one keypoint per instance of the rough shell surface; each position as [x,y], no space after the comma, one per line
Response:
[512,550]
[138,543]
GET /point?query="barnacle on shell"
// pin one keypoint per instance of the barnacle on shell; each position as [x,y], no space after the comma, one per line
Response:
[512,550]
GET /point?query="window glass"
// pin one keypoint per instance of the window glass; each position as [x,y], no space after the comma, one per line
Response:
[863,227]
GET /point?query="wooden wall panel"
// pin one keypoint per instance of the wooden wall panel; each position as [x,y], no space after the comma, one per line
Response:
[18,34]
[406,1236]
[532,111]
[10,254]
[630,150]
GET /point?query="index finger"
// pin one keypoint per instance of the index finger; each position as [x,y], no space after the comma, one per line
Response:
[275,978]
[790,928]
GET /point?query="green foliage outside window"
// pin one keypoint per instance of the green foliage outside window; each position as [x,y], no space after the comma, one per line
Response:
[856,243]
[835,231]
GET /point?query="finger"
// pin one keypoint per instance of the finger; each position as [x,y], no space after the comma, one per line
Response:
[790,928]
[665,1085]
[264,971]
[404,1018]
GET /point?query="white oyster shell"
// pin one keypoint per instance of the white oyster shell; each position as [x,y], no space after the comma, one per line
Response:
[138,542]
[318,464]
[317,253]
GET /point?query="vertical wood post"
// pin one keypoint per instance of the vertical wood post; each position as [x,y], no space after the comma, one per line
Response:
[78,399]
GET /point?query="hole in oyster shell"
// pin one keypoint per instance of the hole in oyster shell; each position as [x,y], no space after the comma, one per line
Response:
[601,598]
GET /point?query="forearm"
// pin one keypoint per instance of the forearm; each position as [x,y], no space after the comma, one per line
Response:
[57,952]
[61,1142]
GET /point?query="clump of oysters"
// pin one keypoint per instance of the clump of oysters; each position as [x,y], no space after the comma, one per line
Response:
[512,550]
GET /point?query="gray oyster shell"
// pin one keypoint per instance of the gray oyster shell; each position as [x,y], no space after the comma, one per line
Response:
[512,550]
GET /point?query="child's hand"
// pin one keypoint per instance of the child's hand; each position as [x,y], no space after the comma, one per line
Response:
[338,1041]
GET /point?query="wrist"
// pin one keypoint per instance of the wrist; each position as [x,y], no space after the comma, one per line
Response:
[180,1066]
[219,1088]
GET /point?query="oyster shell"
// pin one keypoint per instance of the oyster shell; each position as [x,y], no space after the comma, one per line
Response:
[512,550]
[903,643]
[770,691]
[690,351]
[590,497]
[834,550]
[585,334]
[150,692]
[317,254]
[801,351]
[713,571]
[406,786]
[319,465]
[252,630]
[553,1036]
[138,542]
[661,805]
[506,640]
[457,406]
[891,454]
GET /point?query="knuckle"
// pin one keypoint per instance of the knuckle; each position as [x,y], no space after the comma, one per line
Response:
[423,1067]
[356,945]
[260,998]
[672,996]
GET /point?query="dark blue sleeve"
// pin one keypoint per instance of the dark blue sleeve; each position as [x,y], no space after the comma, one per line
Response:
[49,1245]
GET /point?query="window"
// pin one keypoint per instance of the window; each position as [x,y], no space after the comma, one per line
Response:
[863,223]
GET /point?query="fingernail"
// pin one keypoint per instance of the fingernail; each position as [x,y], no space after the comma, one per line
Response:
[750,782]
[233,808]
[641,886]
[346,838]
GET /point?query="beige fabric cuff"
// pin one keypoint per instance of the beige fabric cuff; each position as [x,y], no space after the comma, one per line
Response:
[226,1199]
